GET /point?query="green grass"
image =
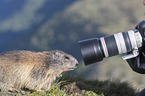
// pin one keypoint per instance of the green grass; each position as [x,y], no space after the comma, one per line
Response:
[78,87]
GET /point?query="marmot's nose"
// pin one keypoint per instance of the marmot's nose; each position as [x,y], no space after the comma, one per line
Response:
[77,63]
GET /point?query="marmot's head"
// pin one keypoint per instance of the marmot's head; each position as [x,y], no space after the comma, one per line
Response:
[62,61]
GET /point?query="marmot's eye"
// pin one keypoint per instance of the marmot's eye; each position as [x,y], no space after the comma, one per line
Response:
[66,57]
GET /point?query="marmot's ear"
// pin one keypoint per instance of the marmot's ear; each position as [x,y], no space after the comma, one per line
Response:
[57,52]
[46,52]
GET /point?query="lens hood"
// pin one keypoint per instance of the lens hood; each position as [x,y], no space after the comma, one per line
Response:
[91,50]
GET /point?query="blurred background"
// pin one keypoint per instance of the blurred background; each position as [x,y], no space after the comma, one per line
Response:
[45,25]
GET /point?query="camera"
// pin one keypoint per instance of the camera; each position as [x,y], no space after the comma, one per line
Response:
[95,49]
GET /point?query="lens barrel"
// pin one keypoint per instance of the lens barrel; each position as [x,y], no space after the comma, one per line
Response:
[91,50]
[95,49]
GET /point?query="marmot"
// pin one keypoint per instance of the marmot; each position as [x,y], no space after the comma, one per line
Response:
[33,70]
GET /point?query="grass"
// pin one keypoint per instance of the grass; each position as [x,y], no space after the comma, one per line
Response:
[100,88]
[78,87]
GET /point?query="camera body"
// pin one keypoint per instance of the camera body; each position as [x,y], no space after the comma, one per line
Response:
[95,49]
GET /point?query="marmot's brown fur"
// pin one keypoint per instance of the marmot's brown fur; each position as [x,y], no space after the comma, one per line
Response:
[33,70]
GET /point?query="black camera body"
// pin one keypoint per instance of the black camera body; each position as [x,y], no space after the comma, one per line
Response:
[95,49]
